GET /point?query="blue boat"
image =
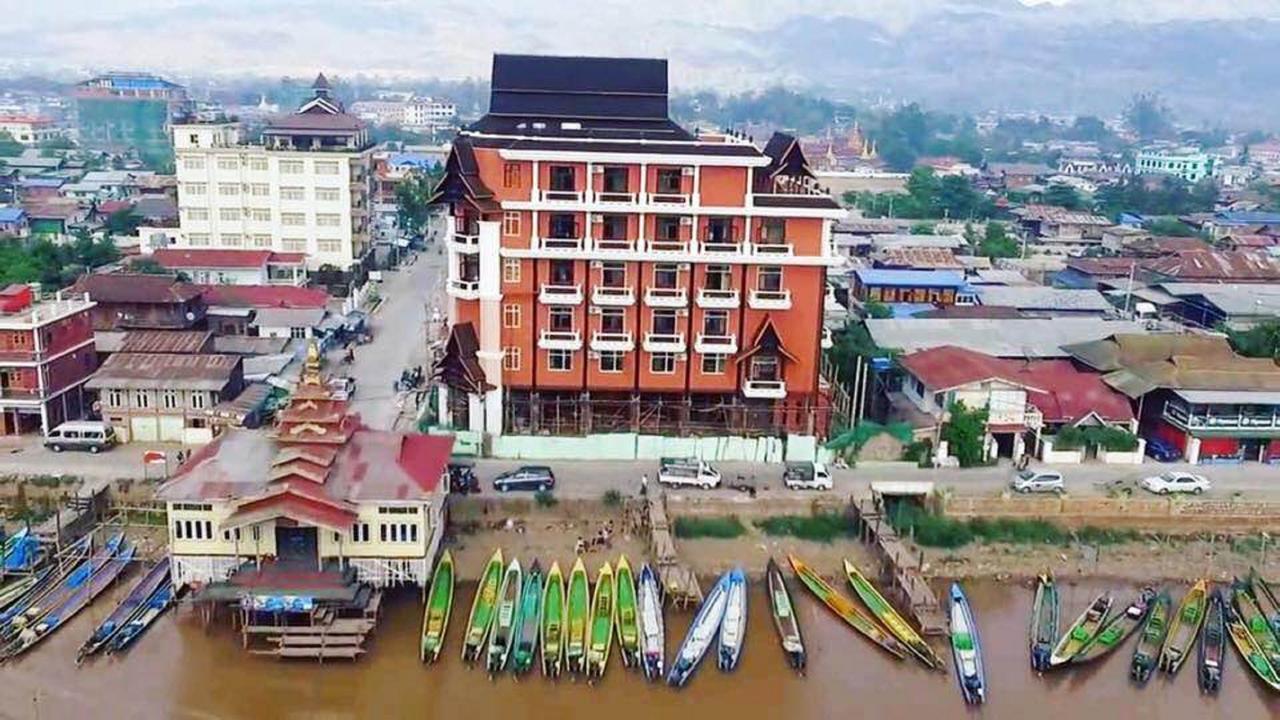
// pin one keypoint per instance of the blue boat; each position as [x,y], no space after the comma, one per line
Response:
[706,624]
[733,628]
[61,587]
[126,609]
[966,648]
[138,624]
[21,551]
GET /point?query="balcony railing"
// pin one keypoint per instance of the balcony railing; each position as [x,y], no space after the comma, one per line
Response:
[560,340]
[613,296]
[570,196]
[560,243]
[1220,421]
[769,300]
[21,393]
[608,196]
[721,246]
[661,245]
[612,341]
[666,297]
[725,299]
[765,389]
[560,295]
[464,289]
[769,247]
[664,342]
[466,243]
[670,198]
[614,244]
[715,344]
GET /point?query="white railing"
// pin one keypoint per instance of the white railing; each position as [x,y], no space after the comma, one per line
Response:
[610,341]
[708,298]
[613,296]
[666,297]
[615,197]
[464,289]
[670,198]
[390,572]
[466,243]
[769,300]
[765,389]
[202,569]
[560,340]
[664,342]
[715,344]
[613,244]
[677,246]
[721,246]
[569,196]
[560,294]
[546,243]
[784,249]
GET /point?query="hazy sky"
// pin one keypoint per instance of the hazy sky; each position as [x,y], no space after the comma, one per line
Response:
[456,38]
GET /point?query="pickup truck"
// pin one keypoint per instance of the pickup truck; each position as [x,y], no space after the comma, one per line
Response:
[688,471]
[807,476]
[342,387]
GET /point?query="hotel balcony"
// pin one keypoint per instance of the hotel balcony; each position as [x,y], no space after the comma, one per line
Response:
[775,249]
[464,289]
[664,343]
[670,246]
[616,244]
[1213,417]
[613,296]
[564,196]
[560,295]
[466,243]
[575,244]
[605,196]
[769,300]
[666,297]
[765,389]
[717,299]
[715,344]
[560,340]
[721,246]
[671,199]
[607,341]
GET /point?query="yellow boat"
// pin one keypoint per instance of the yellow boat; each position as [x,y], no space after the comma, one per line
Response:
[890,619]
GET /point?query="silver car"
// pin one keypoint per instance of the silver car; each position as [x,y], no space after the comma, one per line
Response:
[1038,481]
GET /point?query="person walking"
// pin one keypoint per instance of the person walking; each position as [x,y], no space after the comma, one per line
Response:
[644,484]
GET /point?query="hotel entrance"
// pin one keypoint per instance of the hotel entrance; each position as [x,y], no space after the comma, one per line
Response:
[296,545]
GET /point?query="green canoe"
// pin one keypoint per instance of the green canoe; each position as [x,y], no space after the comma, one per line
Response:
[1118,628]
[1146,654]
[579,607]
[482,608]
[435,618]
[1249,650]
[1081,631]
[628,624]
[890,619]
[504,618]
[603,611]
[528,622]
[1256,622]
[844,609]
[553,622]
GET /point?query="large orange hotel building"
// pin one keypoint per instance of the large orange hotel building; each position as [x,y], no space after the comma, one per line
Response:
[609,271]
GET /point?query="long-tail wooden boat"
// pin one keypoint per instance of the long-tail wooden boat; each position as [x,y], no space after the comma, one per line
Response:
[528,622]
[653,639]
[1044,622]
[20,586]
[68,585]
[577,617]
[784,616]
[628,624]
[1147,654]
[1256,622]
[604,608]
[1081,631]
[733,627]
[435,616]
[504,618]
[702,631]
[482,607]
[50,579]
[1117,629]
[966,648]
[1184,628]
[1253,657]
[890,619]
[552,613]
[142,590]
[58,616]
[138,624]
[21,551]
[844,609]
[1267,599]
[1213,645]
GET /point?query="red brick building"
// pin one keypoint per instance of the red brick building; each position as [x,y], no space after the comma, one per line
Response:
[46,354]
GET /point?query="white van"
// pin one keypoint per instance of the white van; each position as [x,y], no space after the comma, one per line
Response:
[92,435]
[688,471]
[807,476]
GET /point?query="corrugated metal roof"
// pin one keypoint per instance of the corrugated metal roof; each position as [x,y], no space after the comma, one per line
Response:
[158,371]
[289,317]
[1025,337]
[165,341]
[910,278]
[1035,297]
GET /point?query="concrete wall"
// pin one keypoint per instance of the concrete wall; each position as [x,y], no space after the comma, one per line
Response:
[1173,514]
[629,446]
[1058,457]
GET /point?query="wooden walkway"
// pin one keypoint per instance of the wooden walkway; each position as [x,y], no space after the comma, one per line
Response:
[326,638]
[679,582]
[900,573]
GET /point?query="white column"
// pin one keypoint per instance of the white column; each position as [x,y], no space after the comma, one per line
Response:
[493,411]
[443,413]
[475,408]
[451,264]
[1193,450]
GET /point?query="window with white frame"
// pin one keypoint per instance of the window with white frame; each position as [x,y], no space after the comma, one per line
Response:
[769,278]
[115,398]
[326,167]
[560,319]
[713,364]
[662,363]
[259,189]
[510,223]
[511,316]
[611,361]
[195,188]
[560,360]
[192,163]
[228,162]
[198,239]
[329,246]
[260,214]
[198,214]
[511,358]
[291,167]
[141,399]
[199,400]
[293,219]
[170,400]
[228,189]
[328,194]
[293,193]
[328,219]
[297,245]
[257,163]
[262,242]
[229,214]
[234,240]
[511,270]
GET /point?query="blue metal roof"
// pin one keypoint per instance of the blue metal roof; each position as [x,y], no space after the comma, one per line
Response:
[1249,218]
[418,160]
[41,182]
[910,278]
[11,214]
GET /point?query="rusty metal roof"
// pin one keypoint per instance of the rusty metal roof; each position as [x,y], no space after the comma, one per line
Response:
[182,342]
[162,371]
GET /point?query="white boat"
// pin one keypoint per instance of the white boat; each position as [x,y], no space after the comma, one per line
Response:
[966,648]
[733,628]
[701,634]
[652,630]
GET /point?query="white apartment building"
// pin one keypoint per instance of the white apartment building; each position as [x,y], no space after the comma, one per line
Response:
[29,129]
[303,189]
[430,113]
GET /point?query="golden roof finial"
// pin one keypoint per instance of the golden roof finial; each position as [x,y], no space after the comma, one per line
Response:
[311,369]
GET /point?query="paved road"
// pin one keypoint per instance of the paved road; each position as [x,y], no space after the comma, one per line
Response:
[399,339]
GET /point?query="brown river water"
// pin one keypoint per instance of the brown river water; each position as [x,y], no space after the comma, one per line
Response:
[180,670]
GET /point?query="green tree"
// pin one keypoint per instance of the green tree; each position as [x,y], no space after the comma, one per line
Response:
[122,222]
[8,146]
[922,228]
[413,195]
[1088,128]
[877,310]
[964,433]
[853,341]
[1260,341]
[1149,116]
[1063,195]
[996,243]
[1170,227]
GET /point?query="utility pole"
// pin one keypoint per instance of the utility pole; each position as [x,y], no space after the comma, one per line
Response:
[1128,291]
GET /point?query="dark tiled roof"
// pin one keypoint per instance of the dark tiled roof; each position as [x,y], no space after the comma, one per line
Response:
[578,87]
[621,146]
[136,288]
[314,122]
[797,200]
